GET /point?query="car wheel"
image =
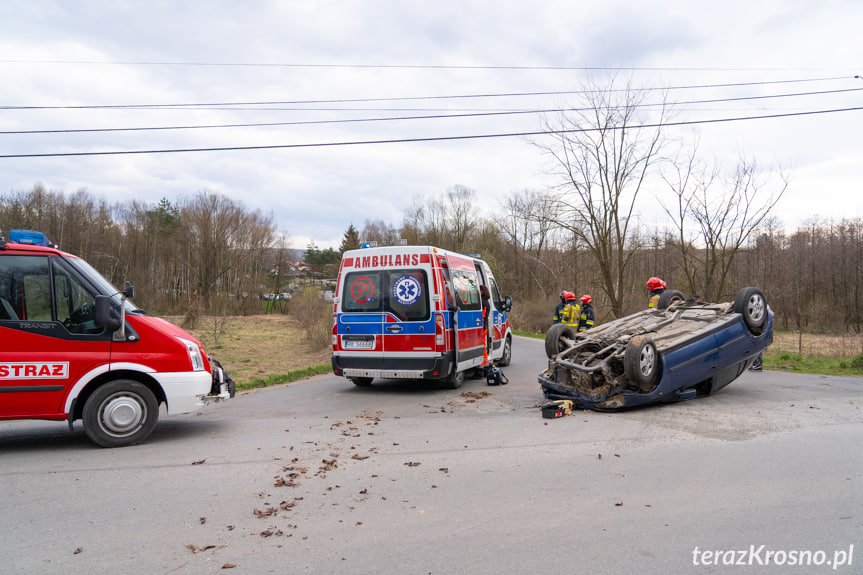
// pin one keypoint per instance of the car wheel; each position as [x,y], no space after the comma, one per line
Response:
[362,381]
[752,305]
[669,297]
[506,358]
[455,379]
[554,339]
[122,412]
[641,363]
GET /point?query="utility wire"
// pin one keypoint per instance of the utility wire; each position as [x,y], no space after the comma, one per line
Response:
[429,139]
[408,98]
[401,66]
[403,118]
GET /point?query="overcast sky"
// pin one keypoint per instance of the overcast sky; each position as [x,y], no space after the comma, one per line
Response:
[331,72]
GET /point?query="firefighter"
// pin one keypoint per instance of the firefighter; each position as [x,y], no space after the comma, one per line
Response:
[571,310]
[586,320]
[558,309]
[758,363]
[655,286]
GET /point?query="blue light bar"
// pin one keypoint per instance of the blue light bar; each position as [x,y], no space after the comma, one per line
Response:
[28,237]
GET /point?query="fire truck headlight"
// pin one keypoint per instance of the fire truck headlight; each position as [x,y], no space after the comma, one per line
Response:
[194,354]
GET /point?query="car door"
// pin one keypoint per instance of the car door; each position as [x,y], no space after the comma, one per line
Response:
[46,347]
[467,318]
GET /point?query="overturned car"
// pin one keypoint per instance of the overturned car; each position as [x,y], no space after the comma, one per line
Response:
[680,350]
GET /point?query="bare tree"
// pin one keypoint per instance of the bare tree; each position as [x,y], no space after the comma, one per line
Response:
[603,152]
[379,231]
[727,219]
[461,218]
[447,222]
[528,227]
[688,178]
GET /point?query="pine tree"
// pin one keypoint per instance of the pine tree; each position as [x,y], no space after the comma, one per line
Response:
[351,241]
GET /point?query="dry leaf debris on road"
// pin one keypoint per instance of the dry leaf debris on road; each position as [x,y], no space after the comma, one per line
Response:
[283,518]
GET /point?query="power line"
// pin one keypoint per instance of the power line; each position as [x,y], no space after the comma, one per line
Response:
[403,118]
[412,98]
[416,140]
[401,66]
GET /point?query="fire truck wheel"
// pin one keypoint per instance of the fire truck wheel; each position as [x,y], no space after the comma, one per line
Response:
[362,381]
[122,412]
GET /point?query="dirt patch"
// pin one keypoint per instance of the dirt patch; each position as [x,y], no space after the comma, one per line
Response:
[255,347]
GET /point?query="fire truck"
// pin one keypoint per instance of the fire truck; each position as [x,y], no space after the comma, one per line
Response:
[72,347]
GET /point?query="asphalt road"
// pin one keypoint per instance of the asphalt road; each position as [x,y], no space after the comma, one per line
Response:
[324,477]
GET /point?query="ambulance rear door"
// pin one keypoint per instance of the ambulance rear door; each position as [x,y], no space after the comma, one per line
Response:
[409,328]
[359,325]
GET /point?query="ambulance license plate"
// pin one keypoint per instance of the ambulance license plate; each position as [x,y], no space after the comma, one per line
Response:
[359,343]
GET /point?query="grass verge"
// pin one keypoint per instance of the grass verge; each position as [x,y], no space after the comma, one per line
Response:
[280,378]
[818,354]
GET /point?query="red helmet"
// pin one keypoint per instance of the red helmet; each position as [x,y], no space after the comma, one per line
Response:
[563,296]
[586,299]
[655,283]
[568,296]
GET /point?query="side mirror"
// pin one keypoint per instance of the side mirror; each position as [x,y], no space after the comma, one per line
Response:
[105,314]
[507,303]
[129,290]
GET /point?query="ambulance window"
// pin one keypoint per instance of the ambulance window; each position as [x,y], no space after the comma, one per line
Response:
[495,292]
[466,287]
[407,295]
[362,291]
[450,299]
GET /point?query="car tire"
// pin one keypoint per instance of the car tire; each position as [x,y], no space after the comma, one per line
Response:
[751,303]
[669,297]
[641,363]
[119,413]
[506,357]
[554,343]
[362,381]
[454,380]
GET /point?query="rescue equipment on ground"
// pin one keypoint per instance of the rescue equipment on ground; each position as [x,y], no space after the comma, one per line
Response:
[555,409]
[494,376]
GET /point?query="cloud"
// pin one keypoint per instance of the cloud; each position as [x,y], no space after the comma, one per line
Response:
[323,61]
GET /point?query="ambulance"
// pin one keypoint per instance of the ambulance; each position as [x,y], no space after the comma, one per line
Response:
[74,347]
[414,312]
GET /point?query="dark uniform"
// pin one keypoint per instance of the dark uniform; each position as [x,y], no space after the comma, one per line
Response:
[587,318]
[558,309]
